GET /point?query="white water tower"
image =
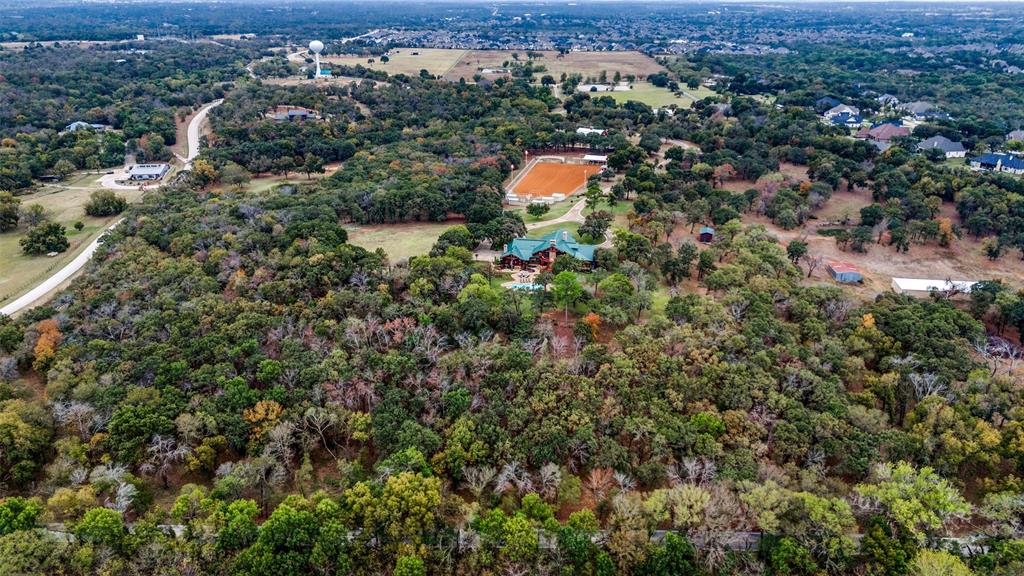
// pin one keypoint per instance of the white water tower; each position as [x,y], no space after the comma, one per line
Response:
[316,47]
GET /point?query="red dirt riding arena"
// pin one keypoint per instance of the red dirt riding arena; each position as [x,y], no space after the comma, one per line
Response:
[546,179]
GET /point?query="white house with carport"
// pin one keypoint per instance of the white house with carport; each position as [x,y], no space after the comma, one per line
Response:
[148,171]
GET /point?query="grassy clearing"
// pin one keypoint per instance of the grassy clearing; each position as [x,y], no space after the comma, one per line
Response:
[557,210]
[585,63]
[410,61]
[621,208]
[65,204]
[647,93]
[572,227]
[399,241]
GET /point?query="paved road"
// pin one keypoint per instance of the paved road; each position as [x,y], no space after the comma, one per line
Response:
[53,282]
[575,214]
[37,294]
[194,130]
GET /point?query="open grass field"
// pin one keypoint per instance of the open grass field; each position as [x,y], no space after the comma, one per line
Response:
[546,179]
[65,204]
[647,93]
[556,210]
[410,61]
[572,227]
[399,241]
[585,63]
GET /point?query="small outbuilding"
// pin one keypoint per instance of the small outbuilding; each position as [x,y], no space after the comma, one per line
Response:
[706,234]
[844,272]
[924,287]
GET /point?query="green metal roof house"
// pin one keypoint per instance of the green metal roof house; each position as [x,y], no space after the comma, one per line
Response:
[542,252]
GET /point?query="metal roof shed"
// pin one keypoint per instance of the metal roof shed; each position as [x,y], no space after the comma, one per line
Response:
[844,272]
[920,286]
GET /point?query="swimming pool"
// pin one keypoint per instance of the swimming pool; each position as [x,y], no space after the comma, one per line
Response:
[521,286]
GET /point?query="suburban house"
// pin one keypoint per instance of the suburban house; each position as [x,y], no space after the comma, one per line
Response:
[826,102]
[998,162]
[79,125]
[148,171]
[844,272]
[918,108]
[591,131]
[541,253]
[846,119]
[922,287]
[888,100]
[841,109]
[1015,135]
[284,113]
[706,234]
[950,148]
[883,132]
[921,110]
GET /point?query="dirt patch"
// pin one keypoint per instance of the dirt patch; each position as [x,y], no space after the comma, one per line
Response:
[545,179]
[963,260]
[843,207]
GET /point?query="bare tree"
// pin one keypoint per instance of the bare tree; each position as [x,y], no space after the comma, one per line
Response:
[926,384]
[549,478]
[625,481]
[319,421]
[477,478]
[812,262]
[164,453]
[599,482]
[78,415]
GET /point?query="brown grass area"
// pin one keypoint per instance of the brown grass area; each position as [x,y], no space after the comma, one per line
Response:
[547,179]
[585,63]
[963,260]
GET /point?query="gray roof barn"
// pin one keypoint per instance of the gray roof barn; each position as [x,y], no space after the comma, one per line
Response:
[147,171]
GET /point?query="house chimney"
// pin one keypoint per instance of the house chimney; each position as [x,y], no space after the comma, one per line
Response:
[565,235]
[504,248]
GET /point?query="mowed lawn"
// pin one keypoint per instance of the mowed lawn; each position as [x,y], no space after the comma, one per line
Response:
[572,227]
[65,204]
[655,97]
[399,241]
[647,93]
[555,210]
[409,61]
[585,63]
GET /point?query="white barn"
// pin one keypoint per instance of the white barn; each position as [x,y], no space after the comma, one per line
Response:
[924,287]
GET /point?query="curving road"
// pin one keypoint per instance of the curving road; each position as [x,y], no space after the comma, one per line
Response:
[36,294]
[195,129]
[39,294]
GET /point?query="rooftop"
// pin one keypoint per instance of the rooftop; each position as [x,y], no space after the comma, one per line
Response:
[842,266]
[925,285]
[1002,159]
[942,143]
[563,240]
[141,169]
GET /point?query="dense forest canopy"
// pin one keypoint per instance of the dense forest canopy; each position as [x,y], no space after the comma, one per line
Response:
[234,387]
